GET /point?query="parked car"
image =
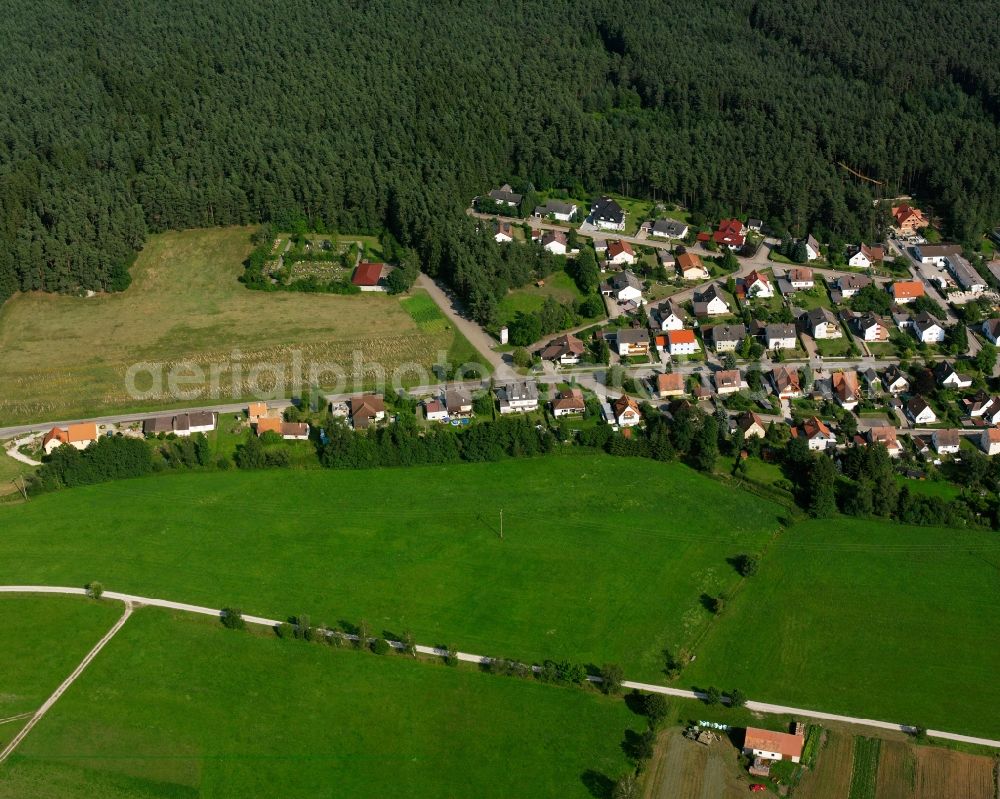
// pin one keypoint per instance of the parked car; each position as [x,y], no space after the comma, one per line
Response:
[757,788]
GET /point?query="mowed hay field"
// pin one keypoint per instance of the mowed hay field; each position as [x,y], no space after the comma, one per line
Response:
[41,641]
[64,357]
[591,568]
[870,619]
[177,706]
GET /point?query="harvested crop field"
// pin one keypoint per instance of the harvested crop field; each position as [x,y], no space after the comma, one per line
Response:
[683,769]
[943,774]
[897,771]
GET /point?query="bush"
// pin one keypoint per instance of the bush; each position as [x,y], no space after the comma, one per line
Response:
[94,589]
[380,646]
[611,675]
[232,619]
[712,695]
[450,656]
[737,698]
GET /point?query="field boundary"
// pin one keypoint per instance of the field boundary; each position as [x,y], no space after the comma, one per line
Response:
[132,600]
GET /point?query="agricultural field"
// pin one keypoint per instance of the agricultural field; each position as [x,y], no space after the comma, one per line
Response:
[867,618]
[41,640]
[683,769]
[64,357]
[419,548]
[178,706]
[867,752]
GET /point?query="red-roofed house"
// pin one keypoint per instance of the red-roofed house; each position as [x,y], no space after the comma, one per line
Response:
[907,290]
[682,342]
[620,253]
[731,233]
[757,284]
[770,745]
[907,218]
[368,276]
[79,436]
[670,385]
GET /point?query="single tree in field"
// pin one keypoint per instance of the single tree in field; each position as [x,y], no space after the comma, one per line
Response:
[611,675]
[95,589]
[409,644]
[656,708]
[232,618]
[737,698]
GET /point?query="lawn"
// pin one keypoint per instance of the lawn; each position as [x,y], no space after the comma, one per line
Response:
[836,347]
[63,356]
[867,618]
[816,297]
[11,470]
[180,707]
[42,639]
[592,568]
[530,298]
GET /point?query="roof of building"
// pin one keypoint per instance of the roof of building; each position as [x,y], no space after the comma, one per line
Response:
[785,377]
[619,247]
[608,210]
[517,390]
[748,419]
[728,333]
[845,385]
[669,227]
[505,194]
[800,274]
[367,274]
[682,336]
[992,326]
[434,406]
[820,316]
[624,403]
[567,344]
[916,405]
[632,335]
[779,330]
[873,253]
[625,279]
[257,409]
[905,212]
[908,289]
[784,743]
[555,207]
[689,260]
[72,434]
[884,435]
[294,429]
[571,400]
[853,281]
[728,378]
[992,434]
[553,237]
[268,425]
[946,438]
[673,381]
[939,250]
[367,405]
[814,427]
[754,277]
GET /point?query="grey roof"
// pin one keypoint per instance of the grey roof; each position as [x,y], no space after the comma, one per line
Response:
[779,330]
[669,227]
[924,321]
[666,257]
[158,424]
[555,207]
[710,294]
[853,281]
[505,195]
[939,250]
[819,316]
[811,241]
[519,390]
[624,280]
[456,398]
[632,335]
[728,333]
[608,210]
[752,222]
[966,276]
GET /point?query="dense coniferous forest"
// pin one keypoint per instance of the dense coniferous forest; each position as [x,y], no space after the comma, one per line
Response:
[122,118]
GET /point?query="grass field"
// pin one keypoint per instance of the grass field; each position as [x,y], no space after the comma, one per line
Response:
[177,706]
[66,356]
[528,299]
[593,573]
[11,470]
[41,641]
[867,618]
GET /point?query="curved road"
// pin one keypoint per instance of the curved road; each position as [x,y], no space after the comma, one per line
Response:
[131,600]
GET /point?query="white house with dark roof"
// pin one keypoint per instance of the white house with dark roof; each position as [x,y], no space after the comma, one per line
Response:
[557,209]
[812,248]
[668,229]
[607,214]
[518,396]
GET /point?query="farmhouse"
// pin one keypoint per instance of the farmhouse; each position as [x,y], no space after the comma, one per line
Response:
[667,316]
[726,338]
[632,341]
[623,287]
[620,253]
[78,436]
[904,291]
[183,424]
[731,233]
[786,382]
[946,442]
[989,441]
[568,402]
[505,195]
[607,214]
[908,219]
[751,425]
[817,435]
[682,342]
[920,412]
[757,284]
[822,324]
[554,241]
[668,229]
[370,277]
[865,257]
[518,396]
[565,350]
[886,436]
[458,402]
[435,410]
[670,385]
[563,212]
[626,411]
[690,267]
[365,409]
[728,381]
[770,745]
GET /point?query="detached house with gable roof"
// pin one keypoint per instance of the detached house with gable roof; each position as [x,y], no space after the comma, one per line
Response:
[607,214]
[620,253]
[79,436]
[682,342]
[865,257]
[757,284]
[626,411]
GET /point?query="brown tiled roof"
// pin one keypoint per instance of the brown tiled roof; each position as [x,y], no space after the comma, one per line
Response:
[783,743]
[674,381]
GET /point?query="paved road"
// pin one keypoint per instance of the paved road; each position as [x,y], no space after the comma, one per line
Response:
[48,703]
[131,600]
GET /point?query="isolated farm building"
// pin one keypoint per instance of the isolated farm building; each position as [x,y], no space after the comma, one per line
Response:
[369,276]
[568,402]
[365,409]
[78,436]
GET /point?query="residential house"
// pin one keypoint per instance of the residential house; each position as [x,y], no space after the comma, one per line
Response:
[565,350]
[294,431]
[822,324]
[786,382]
[710,302]
[976,405]
[184,424]
[666,259]
[846,389]
[849,285]
[872,382]
[78,436]
[504,234]
[600,245]
[632,341]
[727,338]
[255,410]
[937,254]
[946,442]
[989,441]
[557,209]
[870,327]
[949,377]
[755,225]
[751,425]
[780,336]
[757,284]
[626,411]
[435,410]
[894,380]
[554,241]
[886,436]
[518,396]
[731,233]
[866,257]
[568,402]
[682,342]
[801,277]
[607,214]
[668,229]
[365,409]
[728,381]
[927,329]
[458,401]
[812,248]
[670,385]
[620,253]
[920,412]
[370,277]
[816,433]
[904,291]
[505,195]
[690,267]
[623,287]
[991,329]
[667,316]
[991,412]
[908,219]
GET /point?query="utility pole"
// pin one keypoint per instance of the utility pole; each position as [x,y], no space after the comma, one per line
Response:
[501,524]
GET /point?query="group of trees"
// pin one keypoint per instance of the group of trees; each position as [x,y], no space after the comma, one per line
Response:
[348,116]
[108,458]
